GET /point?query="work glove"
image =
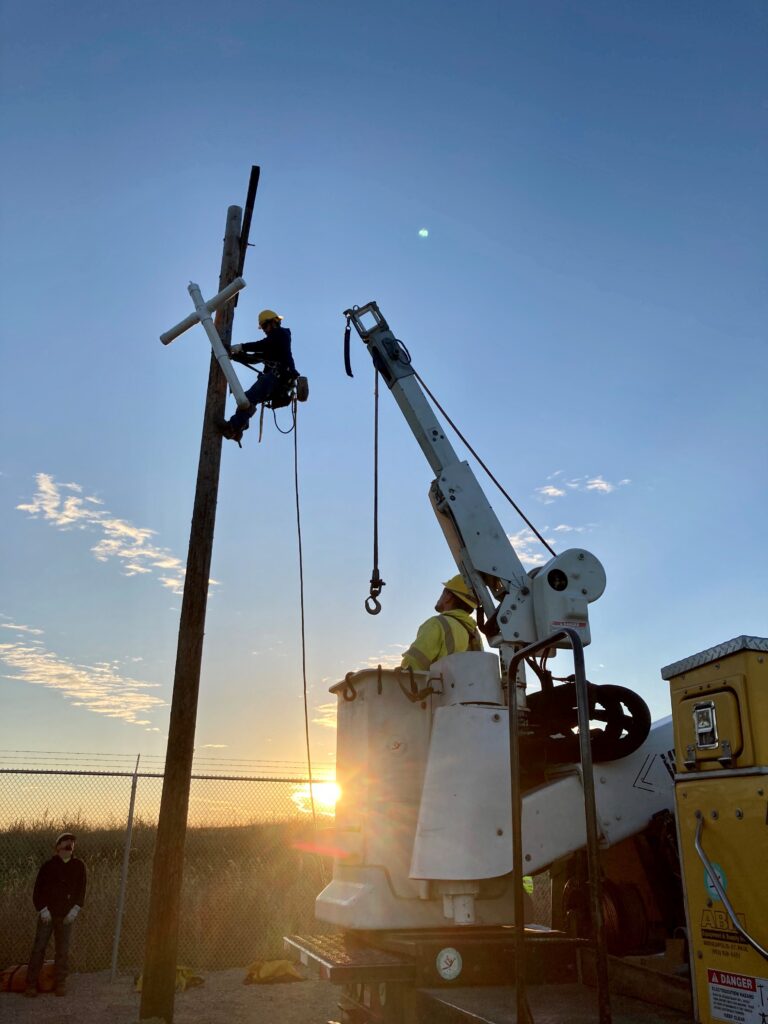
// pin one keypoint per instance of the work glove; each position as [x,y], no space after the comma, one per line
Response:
[45,915]
[236,350]
[75,910]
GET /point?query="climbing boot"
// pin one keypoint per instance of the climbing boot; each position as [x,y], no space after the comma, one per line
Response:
[226,429]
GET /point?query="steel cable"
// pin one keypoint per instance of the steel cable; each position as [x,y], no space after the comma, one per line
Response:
[466,443]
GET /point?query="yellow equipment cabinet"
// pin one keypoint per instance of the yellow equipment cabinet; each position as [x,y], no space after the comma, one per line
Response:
[720,717]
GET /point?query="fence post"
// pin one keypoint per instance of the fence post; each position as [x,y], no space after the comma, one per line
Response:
[124,874]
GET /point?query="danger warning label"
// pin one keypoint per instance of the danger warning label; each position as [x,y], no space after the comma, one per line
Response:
[738,998]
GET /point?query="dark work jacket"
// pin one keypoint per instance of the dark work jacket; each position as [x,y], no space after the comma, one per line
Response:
[274,351]
[59,886]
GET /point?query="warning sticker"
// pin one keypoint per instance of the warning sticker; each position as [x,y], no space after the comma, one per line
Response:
[738,998]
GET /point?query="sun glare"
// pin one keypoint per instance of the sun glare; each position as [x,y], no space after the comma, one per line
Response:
[326,795]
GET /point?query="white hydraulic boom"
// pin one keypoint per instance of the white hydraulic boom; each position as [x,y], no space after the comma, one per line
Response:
[428,771]
[521,607]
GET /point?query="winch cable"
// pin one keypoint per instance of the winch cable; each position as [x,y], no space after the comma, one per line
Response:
[514,505]
[372,603]
[301,608]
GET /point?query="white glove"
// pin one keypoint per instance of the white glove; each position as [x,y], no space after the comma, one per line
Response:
[236,350]
[72,914]
[45,915]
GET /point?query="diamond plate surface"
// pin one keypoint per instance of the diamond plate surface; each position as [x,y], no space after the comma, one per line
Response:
[549,1004]
[739,643]
[344,962]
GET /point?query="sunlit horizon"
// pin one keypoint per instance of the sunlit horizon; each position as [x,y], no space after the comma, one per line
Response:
[326,794]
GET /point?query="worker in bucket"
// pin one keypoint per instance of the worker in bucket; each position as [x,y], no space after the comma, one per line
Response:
[274,381]
[59,895]
[451,631]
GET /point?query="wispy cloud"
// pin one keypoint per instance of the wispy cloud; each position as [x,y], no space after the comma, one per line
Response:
[550,492]
[529,548]
[390,658]
[64,506]
[21,629]
[326,715]
[99,688]
[214,746]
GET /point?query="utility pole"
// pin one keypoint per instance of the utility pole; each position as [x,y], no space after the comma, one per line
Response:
[158,986]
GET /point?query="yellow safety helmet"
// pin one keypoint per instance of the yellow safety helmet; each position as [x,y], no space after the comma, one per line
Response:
[266,315]
[456,585]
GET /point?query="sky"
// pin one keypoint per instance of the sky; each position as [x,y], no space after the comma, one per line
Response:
[588,303]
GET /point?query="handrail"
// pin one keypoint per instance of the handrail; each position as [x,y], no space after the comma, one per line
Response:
[593,857]
[717,886]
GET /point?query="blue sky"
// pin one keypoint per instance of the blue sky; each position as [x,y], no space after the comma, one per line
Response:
[589,305]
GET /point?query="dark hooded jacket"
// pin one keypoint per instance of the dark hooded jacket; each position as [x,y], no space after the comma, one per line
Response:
[274,351]
[60,885]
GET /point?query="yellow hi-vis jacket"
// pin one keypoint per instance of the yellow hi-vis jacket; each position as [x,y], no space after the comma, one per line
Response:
[449,633]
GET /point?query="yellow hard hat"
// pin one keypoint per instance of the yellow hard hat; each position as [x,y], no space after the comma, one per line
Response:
[457,586]
[266,315]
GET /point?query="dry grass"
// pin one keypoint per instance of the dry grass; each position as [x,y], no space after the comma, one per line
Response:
[245,886]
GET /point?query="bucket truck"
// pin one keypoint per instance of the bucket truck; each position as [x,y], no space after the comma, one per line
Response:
[458,781]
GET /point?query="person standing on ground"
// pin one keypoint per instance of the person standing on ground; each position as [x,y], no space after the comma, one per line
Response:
[274,381]
[451,631]
[59,895]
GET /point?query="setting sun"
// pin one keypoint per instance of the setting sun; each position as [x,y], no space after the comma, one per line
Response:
[326,795]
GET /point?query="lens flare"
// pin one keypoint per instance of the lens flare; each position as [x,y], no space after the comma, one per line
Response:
[326,795]
[423,233]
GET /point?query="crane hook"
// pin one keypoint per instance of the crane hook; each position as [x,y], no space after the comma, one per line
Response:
[372,603]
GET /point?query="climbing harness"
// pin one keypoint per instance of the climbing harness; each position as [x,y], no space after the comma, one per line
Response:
[296,389]
[372,603]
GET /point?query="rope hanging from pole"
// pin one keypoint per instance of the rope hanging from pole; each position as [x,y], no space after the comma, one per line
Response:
[372,603]
[294,407]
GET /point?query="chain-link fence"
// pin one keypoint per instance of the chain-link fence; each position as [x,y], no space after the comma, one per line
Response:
[250,873]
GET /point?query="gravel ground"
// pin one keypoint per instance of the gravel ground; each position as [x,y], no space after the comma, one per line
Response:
[223,999]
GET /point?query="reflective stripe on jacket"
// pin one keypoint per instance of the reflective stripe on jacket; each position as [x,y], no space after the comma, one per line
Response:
[450,633]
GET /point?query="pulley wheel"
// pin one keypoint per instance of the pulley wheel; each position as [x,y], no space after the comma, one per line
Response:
[619,722]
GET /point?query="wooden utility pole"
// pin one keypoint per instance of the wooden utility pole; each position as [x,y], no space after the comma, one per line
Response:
[159,979]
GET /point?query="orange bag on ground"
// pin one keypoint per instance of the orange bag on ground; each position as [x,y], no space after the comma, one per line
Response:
[14,979]
[271,972]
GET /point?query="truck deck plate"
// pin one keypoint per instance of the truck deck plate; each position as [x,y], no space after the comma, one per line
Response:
[345,962]
[549,1004]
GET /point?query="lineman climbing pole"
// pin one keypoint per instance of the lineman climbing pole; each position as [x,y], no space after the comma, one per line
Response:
[157,997]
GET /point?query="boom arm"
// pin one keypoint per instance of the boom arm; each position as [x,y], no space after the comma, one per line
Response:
[521,607]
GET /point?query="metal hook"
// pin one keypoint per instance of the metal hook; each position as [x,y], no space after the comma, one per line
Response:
[372,605]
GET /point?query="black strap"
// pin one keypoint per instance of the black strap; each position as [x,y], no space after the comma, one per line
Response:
[347,358]
[413,693]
